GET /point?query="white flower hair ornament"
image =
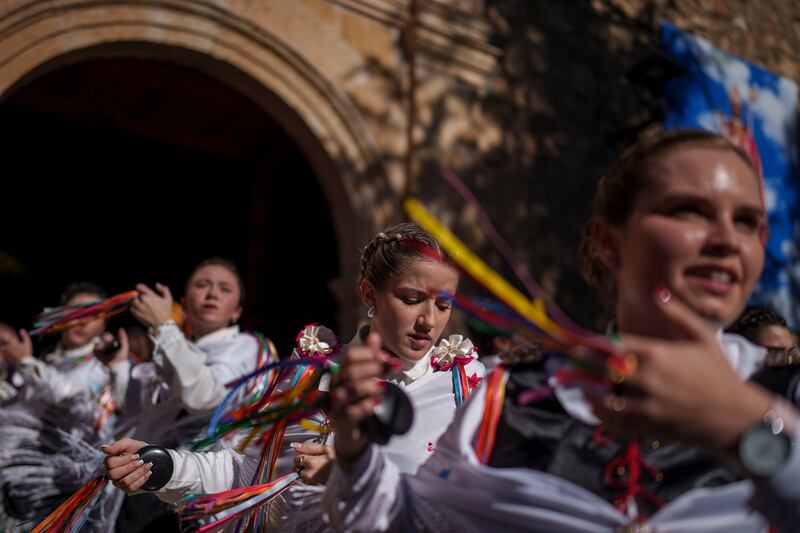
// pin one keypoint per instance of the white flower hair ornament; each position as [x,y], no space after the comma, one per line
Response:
[316,340]
[456,349]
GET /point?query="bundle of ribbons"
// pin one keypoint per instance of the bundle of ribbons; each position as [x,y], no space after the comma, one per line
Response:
[57,319]
[70,516]
[292,395]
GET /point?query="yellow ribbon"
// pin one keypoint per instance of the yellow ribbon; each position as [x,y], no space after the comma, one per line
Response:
[483,273]
[305,423]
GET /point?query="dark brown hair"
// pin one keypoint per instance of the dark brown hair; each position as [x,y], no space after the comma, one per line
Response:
[631,173]
[82,287]
[755,319]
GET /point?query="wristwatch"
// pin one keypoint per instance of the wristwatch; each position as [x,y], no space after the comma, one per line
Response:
[765,448]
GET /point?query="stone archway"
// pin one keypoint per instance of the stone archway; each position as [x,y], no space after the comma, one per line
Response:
[293,74]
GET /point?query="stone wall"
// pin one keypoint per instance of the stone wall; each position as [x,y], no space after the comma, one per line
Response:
[557,109]
[526,100]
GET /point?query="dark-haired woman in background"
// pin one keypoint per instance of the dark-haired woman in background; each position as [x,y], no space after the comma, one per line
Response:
[765,327]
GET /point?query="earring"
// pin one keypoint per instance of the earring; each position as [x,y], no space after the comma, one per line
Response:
[371,311]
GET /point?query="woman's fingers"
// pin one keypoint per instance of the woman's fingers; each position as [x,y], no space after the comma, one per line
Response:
[134,480]
[359,411]
[26,342]
[164,291]
[136,485]
[119,469]
[126,445]
[361,371]
[360,354]
[124,343]
[311,468]
[144,290]
[310,448]
[356,395]
[117,461]
[356,392]
[341,404]
[682,316]
[374,341]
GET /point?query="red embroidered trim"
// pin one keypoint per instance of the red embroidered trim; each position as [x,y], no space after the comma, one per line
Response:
[632,464]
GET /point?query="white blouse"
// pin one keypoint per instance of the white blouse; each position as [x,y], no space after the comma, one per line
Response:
[62,375]
[186,375]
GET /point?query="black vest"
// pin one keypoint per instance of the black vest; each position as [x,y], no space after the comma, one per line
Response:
[544,437]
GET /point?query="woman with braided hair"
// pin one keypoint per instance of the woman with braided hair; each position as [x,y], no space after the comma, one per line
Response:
[406,285]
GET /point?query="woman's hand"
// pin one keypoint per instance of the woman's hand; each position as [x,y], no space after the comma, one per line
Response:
[123,466]
[15,346]
[683,390]
[313,462]
[152,308]
[355,395]
[119,356]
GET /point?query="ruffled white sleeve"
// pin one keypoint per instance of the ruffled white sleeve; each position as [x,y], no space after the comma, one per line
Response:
[366,495]
[195,384]
[120,375]
[44,382]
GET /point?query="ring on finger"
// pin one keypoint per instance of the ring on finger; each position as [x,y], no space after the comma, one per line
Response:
[618,403]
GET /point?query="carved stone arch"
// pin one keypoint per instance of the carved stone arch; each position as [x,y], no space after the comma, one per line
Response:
[295,75]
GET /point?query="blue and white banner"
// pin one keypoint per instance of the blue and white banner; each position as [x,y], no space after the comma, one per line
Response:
[758,111]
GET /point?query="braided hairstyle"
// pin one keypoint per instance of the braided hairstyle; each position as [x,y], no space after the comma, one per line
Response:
[390,250]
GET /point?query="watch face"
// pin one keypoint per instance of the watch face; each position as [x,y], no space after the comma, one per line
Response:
[763,453]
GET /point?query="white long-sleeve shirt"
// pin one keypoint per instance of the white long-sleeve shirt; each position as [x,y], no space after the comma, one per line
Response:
[65,373]
[188,375]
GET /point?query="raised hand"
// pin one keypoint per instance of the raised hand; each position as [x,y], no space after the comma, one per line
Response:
[356,395]
[152,308]
[683,390]
[313,462]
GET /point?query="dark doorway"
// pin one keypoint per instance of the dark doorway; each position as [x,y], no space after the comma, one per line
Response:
[125,170]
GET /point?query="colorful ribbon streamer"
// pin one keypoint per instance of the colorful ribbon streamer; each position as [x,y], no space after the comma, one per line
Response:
[492,409]
[56,319]
[206,512]
[595,353]
[70,516]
